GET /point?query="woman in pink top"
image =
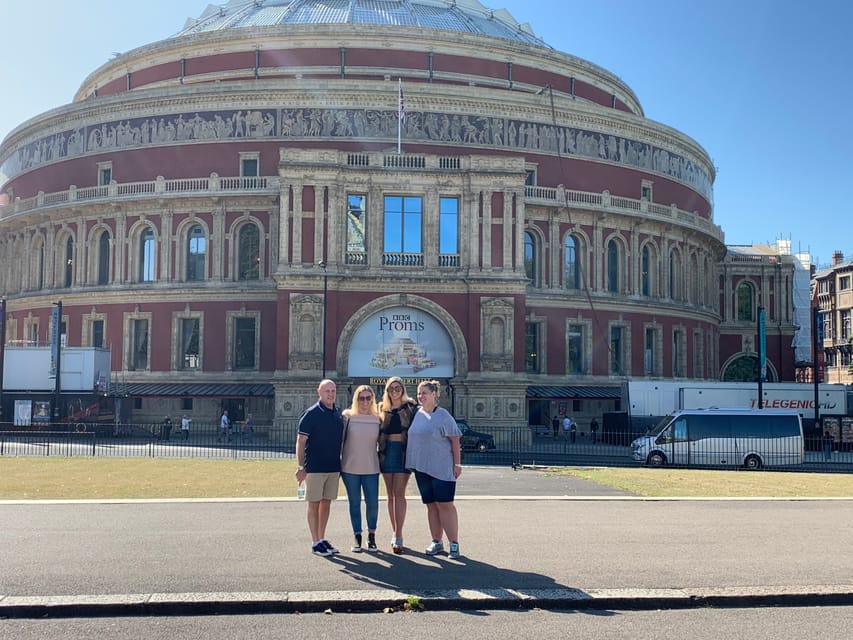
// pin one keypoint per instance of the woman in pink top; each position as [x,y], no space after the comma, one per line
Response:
[360,464]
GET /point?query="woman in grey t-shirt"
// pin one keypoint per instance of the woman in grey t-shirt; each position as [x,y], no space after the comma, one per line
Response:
[433,453]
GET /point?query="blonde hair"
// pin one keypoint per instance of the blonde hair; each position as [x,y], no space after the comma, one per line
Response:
[354,408]
[385,405]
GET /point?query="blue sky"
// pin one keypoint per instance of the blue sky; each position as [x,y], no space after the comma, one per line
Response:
[763,85]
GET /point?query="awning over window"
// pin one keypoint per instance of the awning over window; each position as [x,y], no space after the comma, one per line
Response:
[577,392]
[194,390]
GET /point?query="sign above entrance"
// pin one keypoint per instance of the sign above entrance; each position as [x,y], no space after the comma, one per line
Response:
[401,341]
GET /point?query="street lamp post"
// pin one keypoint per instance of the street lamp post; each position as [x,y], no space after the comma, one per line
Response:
[56,346]
[322,264]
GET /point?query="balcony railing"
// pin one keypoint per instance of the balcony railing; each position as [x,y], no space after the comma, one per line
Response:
[270,185]
[154,188]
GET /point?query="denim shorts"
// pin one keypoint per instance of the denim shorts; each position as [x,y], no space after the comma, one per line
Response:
[394,461]
[433,489]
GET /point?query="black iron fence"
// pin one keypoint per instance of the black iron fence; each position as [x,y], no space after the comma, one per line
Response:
[515,446]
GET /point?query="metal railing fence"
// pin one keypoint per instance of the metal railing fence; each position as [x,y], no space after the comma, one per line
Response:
[514,446]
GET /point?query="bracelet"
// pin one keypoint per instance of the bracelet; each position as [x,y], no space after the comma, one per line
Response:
[457,464]
[300,468]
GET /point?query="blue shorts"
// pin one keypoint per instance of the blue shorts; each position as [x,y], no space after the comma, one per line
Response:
[394,462]
[433,489]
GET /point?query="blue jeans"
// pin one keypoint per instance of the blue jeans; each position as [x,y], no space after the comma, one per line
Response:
[355,484]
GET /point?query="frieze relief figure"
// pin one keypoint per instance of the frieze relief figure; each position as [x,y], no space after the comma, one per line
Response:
[349,123]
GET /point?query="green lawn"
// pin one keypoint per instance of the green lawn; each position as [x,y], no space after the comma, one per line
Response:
[127,478]
[705,484]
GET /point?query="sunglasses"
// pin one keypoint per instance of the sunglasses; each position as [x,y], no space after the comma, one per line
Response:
[395,389]
[365,398]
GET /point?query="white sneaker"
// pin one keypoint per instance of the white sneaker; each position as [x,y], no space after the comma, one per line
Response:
[436,546]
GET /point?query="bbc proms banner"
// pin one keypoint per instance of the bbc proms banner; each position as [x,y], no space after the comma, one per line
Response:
[401,342]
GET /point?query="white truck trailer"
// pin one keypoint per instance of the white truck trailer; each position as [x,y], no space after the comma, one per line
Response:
[648,401]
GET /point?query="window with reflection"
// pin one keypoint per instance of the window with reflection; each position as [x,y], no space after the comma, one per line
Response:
[571,268]
[196,253]
[244,343]
[69,262]
[530,258]
[575,347]
[146,255]
[531,347]
[356,229]
[139,346]
[403,231]
[249,252]
[190,347]
[646,272]
[448,226]
[744,295]
[613,266]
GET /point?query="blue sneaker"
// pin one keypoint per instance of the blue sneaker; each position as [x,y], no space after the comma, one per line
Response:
[454,551]
[320,549]
[329,546]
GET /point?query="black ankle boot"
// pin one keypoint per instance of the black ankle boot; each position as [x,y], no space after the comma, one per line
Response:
[356,546]
[371,542]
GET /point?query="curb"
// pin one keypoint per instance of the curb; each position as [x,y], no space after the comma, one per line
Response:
[203,604]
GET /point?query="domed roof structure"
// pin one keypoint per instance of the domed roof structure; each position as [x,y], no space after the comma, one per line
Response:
[468,16]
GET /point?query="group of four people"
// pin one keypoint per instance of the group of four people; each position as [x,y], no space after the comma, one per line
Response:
[395,437]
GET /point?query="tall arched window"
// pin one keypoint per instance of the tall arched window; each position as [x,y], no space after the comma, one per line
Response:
[674,276]
[196,253]
[249,252]
[613,266]
[104,258]
[40,268]
[146,255]
[745,302]
[693,276]
[572,272]
[645,272]
[530,258]
[69,262]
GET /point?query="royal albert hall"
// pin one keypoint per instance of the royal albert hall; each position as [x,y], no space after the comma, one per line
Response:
[288,190]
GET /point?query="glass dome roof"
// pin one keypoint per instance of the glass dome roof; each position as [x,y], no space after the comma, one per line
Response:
[468,16]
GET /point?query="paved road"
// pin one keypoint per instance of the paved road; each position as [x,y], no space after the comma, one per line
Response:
[544,540]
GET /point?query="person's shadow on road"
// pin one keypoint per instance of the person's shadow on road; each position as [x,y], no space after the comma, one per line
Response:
[422,575]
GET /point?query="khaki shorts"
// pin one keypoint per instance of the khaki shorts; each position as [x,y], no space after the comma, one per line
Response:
[322,486]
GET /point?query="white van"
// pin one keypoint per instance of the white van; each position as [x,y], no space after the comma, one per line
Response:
[752,438]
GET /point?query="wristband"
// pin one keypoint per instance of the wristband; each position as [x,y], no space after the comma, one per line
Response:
[300,468]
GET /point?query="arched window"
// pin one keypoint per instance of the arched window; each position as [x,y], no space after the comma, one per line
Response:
[674,276]
[104,258]
[39,281]
[196,253]
[572,271]
[744,296]
[613,266]
[69,262]
[693,276]
[646,272]
[249,252]
[530,258]
[146,255]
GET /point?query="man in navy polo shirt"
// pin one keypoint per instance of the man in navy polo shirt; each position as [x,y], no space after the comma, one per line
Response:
[318,456]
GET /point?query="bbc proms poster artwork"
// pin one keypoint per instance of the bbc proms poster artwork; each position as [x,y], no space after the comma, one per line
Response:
[401,341]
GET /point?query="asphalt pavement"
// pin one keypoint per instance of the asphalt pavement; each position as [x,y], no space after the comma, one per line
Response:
[528,539]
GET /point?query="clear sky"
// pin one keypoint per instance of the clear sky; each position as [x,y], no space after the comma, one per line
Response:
[765,86]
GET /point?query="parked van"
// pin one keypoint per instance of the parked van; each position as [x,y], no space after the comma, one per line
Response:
[752,438]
